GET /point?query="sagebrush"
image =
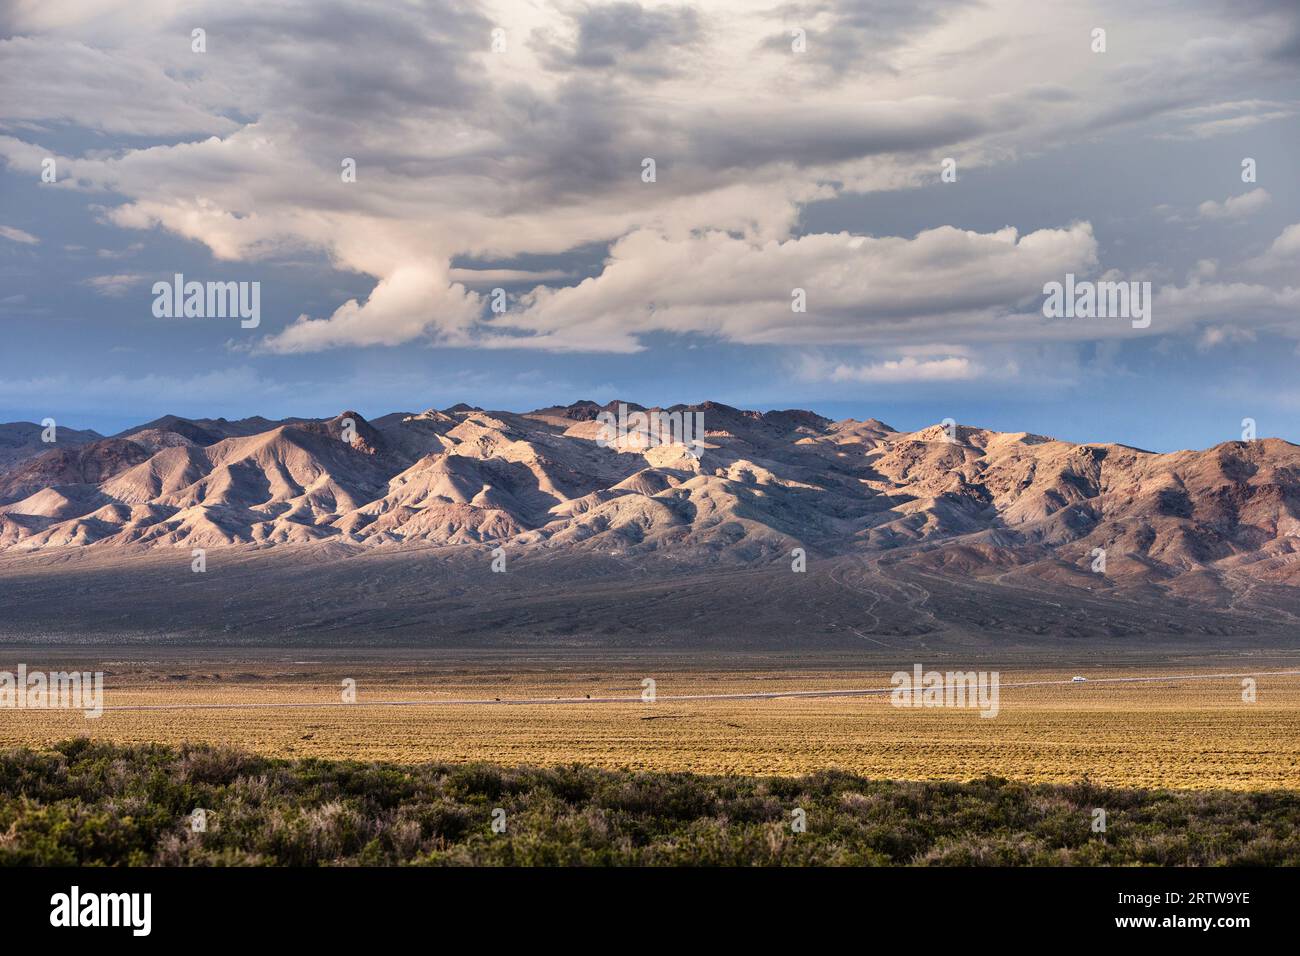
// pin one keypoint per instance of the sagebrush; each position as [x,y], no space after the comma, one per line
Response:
[84,803]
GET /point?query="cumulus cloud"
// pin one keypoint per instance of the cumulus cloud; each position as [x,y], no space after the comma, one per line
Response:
[412,301]
[494,277]
[1282,253]
[1246,307]
[1235,207]
[855,289]
[463,153]
[636,40]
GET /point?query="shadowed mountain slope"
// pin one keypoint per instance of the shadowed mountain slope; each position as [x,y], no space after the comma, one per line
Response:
[1024,511]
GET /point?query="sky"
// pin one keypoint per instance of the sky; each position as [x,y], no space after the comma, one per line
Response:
[913,173]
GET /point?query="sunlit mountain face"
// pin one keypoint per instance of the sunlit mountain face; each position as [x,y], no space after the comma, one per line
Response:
[935,532]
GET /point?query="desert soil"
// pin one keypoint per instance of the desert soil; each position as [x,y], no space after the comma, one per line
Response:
[1173,733]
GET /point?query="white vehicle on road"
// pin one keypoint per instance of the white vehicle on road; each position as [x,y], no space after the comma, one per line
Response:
[1078,680]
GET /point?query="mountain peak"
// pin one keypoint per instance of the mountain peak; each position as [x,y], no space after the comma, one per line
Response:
[936,500]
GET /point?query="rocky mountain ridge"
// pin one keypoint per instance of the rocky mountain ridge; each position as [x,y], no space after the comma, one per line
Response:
[954,501]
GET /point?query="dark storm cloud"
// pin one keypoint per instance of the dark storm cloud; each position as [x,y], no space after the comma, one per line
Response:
[849,36]
[586,136]
[625,37]
[349,63]
[807,137]
[1281,18]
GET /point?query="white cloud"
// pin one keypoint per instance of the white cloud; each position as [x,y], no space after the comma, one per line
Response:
[908,369]
[1282,253]
[1235,207]
[114,286]
[412,302]
[1222,119]
[70,81]
[945,282]
[463,153]
[482,277]
[1245,307]
[17,235]
[1213,336]
[130,250]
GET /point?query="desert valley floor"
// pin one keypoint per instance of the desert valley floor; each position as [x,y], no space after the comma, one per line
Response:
[488,579]
[1185,732]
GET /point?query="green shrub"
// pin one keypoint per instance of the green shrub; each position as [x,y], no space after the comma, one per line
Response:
[85,803]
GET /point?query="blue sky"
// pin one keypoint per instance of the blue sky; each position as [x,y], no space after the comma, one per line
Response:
[521,169]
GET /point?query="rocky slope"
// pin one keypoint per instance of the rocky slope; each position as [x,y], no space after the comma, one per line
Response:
[1205,526]
[20,441]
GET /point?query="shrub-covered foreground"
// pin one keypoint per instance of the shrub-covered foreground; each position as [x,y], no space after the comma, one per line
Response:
[89,803]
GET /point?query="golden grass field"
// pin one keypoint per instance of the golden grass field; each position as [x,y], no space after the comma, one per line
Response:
[1180,733]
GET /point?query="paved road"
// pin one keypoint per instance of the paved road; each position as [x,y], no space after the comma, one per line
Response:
[675,698]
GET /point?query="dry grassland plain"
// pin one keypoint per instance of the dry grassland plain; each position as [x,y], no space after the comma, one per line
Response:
[1179,733]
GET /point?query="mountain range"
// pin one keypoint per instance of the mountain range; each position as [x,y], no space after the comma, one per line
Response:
[853,501]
